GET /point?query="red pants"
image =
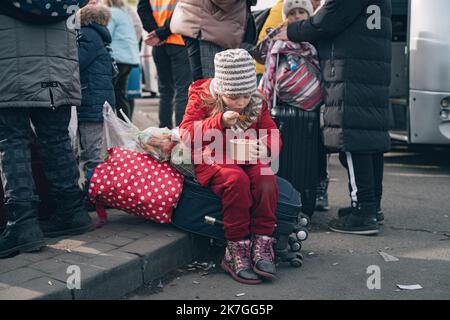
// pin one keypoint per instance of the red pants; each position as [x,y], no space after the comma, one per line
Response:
[249,200]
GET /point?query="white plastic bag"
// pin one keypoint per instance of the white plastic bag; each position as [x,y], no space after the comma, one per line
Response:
[158,142]
[118,133]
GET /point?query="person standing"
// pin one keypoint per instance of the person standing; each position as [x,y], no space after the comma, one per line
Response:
[96,73]
[356,66]
[209,27]
[171,59]
[39,82]
[125,49]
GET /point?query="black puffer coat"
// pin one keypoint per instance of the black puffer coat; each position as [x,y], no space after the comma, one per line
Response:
[356,67]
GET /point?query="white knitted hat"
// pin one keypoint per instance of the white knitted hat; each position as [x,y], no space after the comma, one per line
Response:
[288,5]
[235,73]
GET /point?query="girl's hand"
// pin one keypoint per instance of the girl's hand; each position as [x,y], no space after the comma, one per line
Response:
[229,118]
[258,152]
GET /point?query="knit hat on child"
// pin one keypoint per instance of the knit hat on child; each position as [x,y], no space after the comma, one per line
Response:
[235,73]
[288,5]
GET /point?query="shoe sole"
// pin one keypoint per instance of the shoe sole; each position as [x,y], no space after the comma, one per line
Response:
[380,222]
[25,248]
[322,208]
[266,275]
[362,232]
[70,232]
[235,277]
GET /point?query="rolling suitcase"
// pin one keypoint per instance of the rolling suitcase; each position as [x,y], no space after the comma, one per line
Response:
[199,211]
[300,133]
[299,156]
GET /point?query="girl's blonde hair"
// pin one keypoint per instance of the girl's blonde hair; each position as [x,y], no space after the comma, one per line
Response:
[114,3]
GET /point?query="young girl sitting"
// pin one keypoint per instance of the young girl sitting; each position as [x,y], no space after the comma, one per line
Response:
[230,101]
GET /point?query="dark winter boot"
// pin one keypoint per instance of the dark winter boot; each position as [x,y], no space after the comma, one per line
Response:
[71,217]
[322,196]
[361,220]
[237,262]
[22,232]
[263,256]
[345,211]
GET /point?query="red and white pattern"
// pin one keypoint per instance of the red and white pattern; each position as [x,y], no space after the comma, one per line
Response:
[137,184]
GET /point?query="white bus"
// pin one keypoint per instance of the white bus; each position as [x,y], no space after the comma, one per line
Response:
[420,87]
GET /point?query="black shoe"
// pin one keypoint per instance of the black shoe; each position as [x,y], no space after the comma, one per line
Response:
[361,220]
[71,217]
[345,211]
[322,202]
[322,196]
[22,232]
[89,206]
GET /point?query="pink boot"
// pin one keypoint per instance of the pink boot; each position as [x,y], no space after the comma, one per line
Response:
[238,263]
[263,256]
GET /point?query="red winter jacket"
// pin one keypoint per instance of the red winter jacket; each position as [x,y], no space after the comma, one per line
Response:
[197,111]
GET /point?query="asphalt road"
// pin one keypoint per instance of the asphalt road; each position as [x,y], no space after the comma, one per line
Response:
[416,204]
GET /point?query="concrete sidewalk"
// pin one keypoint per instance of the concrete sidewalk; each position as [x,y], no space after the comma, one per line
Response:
[117,259]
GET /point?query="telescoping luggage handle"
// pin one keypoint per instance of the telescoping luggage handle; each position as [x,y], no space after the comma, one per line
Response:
[275,88]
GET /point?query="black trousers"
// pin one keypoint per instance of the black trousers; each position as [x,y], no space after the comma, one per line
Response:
[120,89]
[53,142]
[201,57]
[365,174]
[195,60]
[174,79]
[323,160]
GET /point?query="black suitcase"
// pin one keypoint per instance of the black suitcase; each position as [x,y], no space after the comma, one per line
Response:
[299,156]
[199,211]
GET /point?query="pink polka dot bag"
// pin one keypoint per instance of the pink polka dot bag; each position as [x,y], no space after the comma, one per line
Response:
[136,183]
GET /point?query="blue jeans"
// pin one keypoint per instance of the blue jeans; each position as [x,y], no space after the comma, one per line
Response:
[53,142]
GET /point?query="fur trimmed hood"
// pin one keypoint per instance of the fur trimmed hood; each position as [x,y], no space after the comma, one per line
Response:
[99,14]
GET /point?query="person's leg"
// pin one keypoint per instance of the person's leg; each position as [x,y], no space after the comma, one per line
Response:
[91,146]
[322,188]
[182,79]
[22,232]
[91,143]
[131,102]
[165,85]
[120,89]
[208,51]
[378,171]
[361,219]
[232,185]
[193,48]
[61,170]
[264,191]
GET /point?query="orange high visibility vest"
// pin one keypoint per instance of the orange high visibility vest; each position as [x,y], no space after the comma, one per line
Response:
[162,10]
